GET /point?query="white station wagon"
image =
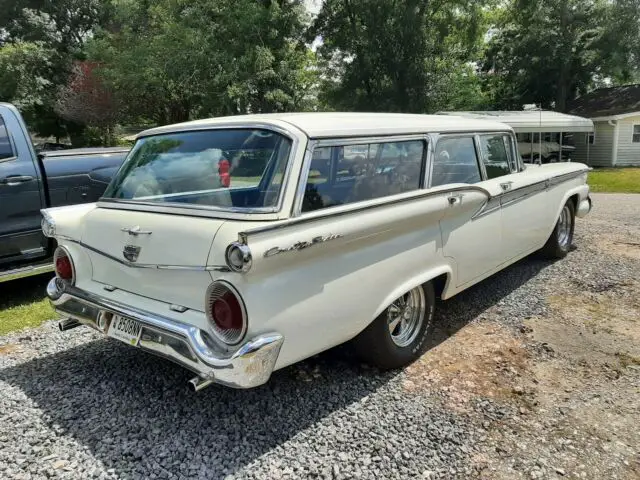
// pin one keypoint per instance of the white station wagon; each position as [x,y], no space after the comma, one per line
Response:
[237,246]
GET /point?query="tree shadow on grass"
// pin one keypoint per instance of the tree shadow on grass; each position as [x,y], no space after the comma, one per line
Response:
[23,291]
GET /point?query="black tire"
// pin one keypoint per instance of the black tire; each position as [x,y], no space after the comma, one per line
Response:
[559,243]
[378,346]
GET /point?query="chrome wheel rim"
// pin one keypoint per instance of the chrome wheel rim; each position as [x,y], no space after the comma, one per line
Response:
[405,317]
[564,227]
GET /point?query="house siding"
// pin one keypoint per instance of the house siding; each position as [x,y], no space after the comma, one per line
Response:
[600,154]
[628,152]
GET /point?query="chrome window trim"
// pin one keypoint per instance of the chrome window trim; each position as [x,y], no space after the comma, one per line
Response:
[109,202]
[313,144]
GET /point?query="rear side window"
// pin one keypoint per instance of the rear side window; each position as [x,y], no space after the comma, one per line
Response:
[6,151]
[345,174]
[495,156]
[455,162]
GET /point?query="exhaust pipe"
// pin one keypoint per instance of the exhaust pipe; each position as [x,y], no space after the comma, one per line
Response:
[68,324]
[196,384]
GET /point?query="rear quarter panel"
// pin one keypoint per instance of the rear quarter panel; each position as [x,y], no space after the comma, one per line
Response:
[326,294]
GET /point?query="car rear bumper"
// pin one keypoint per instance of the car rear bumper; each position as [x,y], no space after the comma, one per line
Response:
[248,366]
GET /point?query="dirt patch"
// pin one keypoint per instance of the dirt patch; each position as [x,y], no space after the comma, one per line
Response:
[481,360]
[558,399]
[9,349]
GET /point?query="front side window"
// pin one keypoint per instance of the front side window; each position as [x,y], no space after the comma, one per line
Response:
[494,155]
[636,134]
[227,168]
[345,174]
[455,162]
[6,151]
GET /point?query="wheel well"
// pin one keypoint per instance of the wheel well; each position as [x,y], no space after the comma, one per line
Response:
[439,283]
[574,199]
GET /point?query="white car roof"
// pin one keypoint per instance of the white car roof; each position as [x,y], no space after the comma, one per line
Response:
[334,124]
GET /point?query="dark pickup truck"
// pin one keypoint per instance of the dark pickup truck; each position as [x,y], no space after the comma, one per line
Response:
[30,182]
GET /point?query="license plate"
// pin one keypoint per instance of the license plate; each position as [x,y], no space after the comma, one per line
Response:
[125,329]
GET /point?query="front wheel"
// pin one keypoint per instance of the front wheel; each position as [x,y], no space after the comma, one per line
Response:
[561,238]
[399,335]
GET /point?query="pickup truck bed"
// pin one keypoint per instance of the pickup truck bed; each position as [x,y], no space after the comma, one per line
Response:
[30,182]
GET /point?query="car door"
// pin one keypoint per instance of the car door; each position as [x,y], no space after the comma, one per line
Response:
[471,227]
[20,199]
[523,197]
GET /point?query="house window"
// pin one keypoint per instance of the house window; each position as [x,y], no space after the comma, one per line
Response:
[591,138]
[636,134]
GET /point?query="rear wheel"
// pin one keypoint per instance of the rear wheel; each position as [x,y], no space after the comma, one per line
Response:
[561,238]
[399,335]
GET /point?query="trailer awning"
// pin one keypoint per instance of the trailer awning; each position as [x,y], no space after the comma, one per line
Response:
[532,121]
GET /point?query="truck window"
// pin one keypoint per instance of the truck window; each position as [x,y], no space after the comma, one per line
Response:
[6,151]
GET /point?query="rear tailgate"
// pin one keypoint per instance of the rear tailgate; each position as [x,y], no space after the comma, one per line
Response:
[164,261]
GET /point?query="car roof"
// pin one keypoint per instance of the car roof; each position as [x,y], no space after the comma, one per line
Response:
[341,124]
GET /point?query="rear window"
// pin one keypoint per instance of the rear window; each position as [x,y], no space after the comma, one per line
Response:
[229,168]
[5,143]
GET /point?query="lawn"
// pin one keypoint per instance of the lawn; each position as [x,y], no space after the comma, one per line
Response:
[23,304]
[615,180]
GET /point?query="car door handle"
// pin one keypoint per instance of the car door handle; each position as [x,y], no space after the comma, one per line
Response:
[13,180]
[506,186]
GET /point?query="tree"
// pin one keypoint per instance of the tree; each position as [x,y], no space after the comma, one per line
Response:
[86,101]
[172,60]
[548,51]
[401,55]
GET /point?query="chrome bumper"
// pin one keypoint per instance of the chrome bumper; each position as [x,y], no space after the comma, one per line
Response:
[584,207]
[249,366]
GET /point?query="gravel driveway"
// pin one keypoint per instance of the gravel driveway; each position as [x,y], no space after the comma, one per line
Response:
[485,402]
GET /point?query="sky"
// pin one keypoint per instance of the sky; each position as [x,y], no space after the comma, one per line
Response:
[313,5]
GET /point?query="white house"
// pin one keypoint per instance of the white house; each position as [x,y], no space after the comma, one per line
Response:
[615,141]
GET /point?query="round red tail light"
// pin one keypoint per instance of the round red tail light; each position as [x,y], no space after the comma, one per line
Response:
[226,313]
[63,265]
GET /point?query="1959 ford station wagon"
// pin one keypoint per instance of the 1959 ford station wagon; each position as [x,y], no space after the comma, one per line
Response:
[238,246]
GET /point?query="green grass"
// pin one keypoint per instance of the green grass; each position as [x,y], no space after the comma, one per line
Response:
[615,180]
[23,304]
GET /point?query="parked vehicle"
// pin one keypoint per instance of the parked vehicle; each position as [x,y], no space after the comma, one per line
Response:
[235,277]
[545,152]
[30,182]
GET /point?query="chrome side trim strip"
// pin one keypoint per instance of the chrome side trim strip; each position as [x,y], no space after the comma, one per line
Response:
[356,208]
[522,193]
[553,181]
[195,268]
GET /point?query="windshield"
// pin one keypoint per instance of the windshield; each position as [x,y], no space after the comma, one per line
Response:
[232,168]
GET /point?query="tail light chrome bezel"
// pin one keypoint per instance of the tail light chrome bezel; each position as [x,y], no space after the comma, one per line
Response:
[62,251]
[242,255]
[215,291]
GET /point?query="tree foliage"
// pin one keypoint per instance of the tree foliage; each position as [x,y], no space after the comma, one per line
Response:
[400,55]
[164,61]
[549,51]
[171,60]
